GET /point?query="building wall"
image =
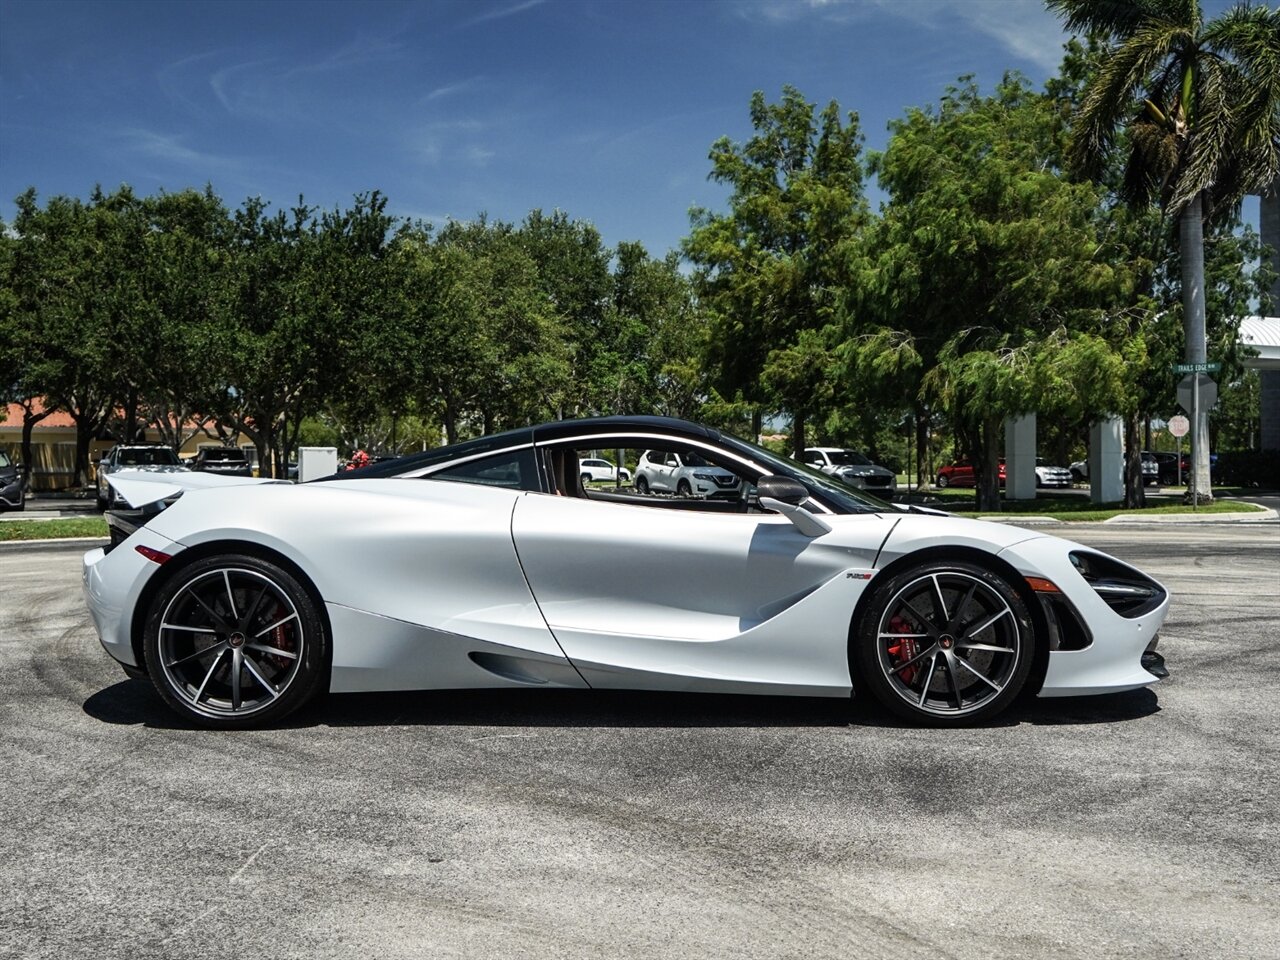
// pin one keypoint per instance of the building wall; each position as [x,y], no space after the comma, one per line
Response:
[1270,409]
[1269,228]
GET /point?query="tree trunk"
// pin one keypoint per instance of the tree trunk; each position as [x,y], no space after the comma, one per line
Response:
[988,470]
[924,476]
[86,427]
[29,419]
[798,442]
[1135,495]
[1191,253]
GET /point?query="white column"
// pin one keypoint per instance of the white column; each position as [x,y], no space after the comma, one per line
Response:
[1020,457]
[1106,461]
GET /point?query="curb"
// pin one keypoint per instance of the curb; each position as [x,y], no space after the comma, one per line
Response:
[1019,521]
[77,543]
[1253,516]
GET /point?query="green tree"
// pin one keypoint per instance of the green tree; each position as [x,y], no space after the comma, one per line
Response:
[1200,103]
[186,280]
[649,339]
[76,282]
[571,267]
[304,300]
[984,254]
[772,271]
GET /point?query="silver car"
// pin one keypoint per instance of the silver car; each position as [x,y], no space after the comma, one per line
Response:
[148,458]
[853,468]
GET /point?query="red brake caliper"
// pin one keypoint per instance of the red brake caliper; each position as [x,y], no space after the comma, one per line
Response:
[281,641]
[905,649]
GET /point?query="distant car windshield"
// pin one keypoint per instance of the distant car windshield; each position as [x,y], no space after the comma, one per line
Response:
[148,457]
[209,453]
[848,458]
[691,459]
[848,499]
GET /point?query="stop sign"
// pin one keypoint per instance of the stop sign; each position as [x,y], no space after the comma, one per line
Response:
[1208,391]
[1179,426]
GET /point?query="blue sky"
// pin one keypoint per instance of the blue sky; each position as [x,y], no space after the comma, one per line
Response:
[605,109]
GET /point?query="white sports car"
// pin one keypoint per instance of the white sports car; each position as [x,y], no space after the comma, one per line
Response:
[487,564]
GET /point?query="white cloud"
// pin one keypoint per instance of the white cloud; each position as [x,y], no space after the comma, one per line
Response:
[171,149]
[1023,27]
[501,13]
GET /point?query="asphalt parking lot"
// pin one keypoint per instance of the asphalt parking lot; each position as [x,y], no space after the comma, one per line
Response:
[496,825]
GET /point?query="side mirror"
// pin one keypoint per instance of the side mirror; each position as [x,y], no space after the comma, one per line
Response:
[784,495]
[782,488]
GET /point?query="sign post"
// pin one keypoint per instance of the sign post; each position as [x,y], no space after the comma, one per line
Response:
[1197,371]
[1178,426]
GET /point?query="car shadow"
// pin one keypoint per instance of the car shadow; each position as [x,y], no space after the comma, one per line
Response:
[135,702]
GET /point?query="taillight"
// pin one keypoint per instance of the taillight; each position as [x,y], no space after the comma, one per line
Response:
[155,556]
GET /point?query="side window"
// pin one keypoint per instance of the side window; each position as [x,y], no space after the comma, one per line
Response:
[513,469]
[813,458]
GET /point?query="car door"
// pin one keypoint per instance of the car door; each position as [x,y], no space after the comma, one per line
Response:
[652,598]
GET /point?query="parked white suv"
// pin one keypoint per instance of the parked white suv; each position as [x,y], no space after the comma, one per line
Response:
[593,468]
[853,468]
[686,475]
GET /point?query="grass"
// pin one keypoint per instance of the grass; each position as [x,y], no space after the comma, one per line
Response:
[1081,508]
[53,529]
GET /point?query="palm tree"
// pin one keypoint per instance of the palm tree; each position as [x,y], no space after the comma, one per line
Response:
[1201,105]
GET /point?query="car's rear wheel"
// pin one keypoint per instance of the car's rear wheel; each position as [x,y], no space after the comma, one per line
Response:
[944,643]
[943,482]
[642,485]
[586,479]
[235,641]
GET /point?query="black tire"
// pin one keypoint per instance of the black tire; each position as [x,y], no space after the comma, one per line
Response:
[585,478]
[642,485]
[683,489]
[241,610]
[943,482]
[914,652]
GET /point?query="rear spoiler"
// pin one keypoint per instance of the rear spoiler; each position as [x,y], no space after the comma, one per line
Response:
[139,488]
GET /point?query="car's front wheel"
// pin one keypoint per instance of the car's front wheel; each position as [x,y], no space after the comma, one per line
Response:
[235,641]
[944,643]
[642,485]
[943,482]
[683,489]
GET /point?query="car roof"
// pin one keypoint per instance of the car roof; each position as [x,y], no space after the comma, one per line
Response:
[585,427]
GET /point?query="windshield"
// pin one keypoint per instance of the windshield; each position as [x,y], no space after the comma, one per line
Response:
[844,499]
[848,458]
[692,459]
[211,454]
[150,457]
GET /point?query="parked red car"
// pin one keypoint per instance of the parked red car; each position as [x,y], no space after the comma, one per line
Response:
[960,474]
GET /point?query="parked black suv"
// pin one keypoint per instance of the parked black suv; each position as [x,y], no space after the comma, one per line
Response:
[11,497]
[228,461]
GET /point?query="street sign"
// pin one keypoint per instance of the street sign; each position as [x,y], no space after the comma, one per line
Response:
[1179,425]
[1208,391]
[1196,367]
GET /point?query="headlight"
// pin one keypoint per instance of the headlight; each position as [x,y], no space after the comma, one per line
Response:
[1126,591]
[704,476]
